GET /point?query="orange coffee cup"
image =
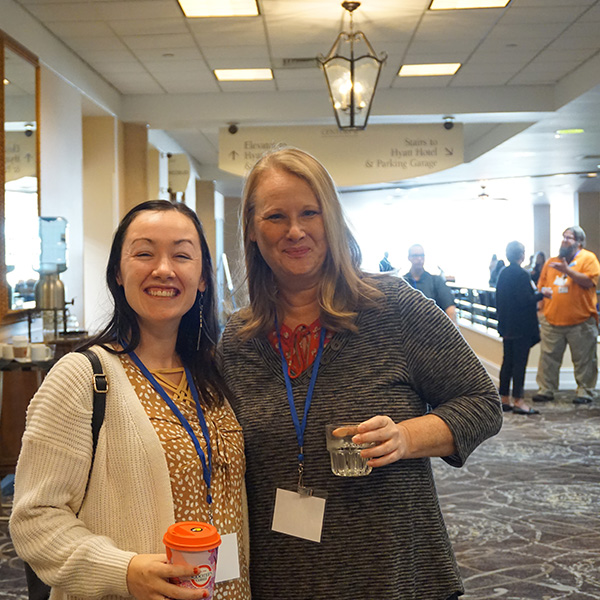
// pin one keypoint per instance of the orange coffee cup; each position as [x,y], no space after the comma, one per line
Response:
[195,544]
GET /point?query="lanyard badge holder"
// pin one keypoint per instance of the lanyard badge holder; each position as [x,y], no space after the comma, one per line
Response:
[300,513]
[205,459]
[301,427]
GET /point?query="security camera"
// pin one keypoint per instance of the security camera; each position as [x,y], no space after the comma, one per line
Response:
[448,123]
[28,133]
[233,128]
[169,154]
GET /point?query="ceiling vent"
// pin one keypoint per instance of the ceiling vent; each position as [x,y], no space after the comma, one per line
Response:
[298,63]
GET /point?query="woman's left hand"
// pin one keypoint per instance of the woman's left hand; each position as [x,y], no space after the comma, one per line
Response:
[391,440]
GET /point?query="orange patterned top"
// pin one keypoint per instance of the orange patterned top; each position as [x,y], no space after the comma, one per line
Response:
[187,481]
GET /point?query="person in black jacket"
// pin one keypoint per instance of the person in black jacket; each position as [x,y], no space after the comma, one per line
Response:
[516,301]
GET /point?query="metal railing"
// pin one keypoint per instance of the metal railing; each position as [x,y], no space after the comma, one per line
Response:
[476,305]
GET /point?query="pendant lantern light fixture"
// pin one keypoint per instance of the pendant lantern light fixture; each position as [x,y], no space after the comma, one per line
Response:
[352,70]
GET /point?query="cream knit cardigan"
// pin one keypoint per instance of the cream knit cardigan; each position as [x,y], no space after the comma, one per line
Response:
[128,505]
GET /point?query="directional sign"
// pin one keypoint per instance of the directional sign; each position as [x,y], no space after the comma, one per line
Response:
[19,155]
[179,172]
[378,154]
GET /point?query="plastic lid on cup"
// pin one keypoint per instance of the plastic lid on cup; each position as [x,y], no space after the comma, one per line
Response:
[192,536]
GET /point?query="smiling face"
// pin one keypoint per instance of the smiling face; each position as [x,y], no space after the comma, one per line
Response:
[569,245]
[161,267]
[288,228]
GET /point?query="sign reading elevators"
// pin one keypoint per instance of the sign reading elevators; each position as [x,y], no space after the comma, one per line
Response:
[380,153]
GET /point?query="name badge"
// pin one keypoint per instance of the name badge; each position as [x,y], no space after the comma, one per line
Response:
[298,515]
[560,280]
[563,289]
[228,558]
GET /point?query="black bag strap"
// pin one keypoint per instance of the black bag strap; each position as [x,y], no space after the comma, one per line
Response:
[100,388]
[38,590]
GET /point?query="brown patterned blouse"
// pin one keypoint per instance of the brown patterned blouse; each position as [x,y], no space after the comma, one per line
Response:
[185,469]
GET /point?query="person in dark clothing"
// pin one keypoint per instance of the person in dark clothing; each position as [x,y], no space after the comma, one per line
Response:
[516,301]
[495,273]
[432,286]
[540,260]
[384,264]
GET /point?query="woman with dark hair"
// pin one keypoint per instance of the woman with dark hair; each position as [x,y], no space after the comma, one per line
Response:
[324,342]
[170,448]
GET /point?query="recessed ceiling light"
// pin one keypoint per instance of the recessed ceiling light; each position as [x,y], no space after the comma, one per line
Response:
[592,174]
[219,8]
[243,74]
[568,131]
[462,4]
[428,70]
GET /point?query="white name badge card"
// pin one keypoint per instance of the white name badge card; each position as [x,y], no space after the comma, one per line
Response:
[560,280]
[298,515]
[228,561]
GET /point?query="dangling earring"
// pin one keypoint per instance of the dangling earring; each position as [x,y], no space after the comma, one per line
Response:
[201,302]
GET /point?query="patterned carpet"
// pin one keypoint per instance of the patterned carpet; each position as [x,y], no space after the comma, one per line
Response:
[523,514]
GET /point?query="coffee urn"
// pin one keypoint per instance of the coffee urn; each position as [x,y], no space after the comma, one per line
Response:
[50,290]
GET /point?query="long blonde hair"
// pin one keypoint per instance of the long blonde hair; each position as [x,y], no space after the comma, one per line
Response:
[343,289]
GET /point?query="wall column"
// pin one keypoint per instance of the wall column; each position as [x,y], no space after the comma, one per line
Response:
[209,207]
[135,165]
[587,215]
[100,213]
[541,229]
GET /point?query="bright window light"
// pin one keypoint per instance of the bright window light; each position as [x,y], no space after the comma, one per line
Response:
[243,74]
[430,70]
[461,4]
[219,8]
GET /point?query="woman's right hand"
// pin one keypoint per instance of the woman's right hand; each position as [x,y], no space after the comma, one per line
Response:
[148,579]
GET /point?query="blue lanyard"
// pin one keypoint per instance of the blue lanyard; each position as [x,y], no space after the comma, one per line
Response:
[300,427]
[206,460]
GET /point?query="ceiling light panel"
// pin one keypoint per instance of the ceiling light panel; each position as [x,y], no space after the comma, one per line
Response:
[219,8]
[464,4]
[428,70]
[243,74]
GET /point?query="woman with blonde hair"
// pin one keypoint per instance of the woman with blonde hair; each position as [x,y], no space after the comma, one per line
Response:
[321,342]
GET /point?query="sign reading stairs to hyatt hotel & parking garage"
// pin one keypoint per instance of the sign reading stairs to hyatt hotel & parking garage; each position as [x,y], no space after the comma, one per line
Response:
[378,154]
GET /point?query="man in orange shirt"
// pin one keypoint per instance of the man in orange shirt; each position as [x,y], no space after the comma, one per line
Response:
[570,317]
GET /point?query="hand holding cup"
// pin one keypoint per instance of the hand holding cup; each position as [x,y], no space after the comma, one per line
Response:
[387,441]
[149,576]
[345,454]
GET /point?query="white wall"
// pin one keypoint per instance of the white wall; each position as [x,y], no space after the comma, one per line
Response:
[61,157]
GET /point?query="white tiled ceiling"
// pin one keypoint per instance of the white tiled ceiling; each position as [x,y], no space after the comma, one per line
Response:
[158,60]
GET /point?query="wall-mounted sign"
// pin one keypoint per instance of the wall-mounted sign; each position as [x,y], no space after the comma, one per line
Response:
[179,172]
[378,154]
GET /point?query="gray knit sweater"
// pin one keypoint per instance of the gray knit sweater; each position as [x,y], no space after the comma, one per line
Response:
[383,535]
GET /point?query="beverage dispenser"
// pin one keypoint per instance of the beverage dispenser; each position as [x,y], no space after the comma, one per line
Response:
[50,290]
